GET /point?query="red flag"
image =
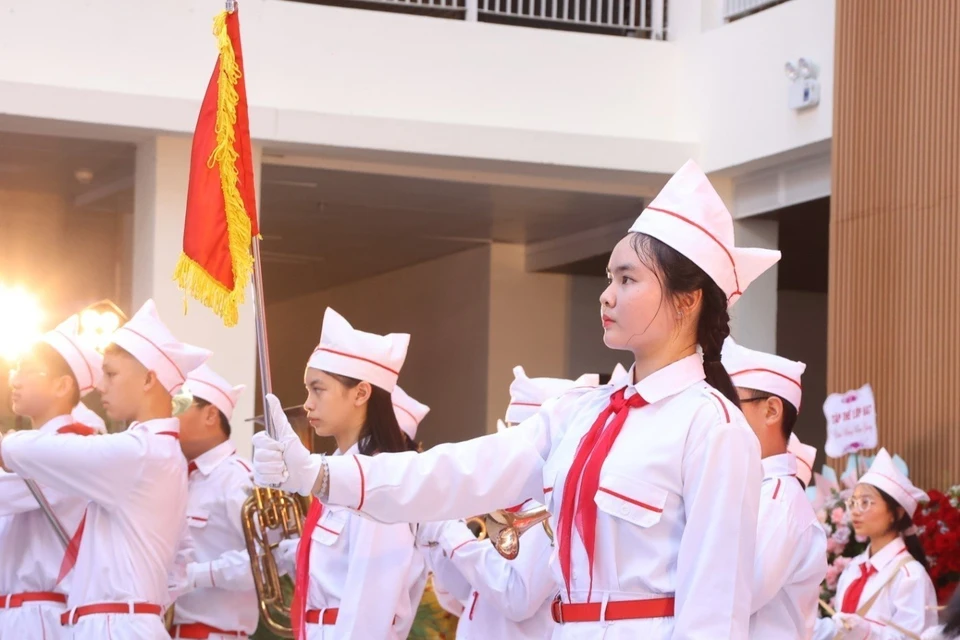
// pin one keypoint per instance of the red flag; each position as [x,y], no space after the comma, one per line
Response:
[216,263]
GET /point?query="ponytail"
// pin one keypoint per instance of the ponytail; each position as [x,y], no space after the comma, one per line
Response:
[678,274]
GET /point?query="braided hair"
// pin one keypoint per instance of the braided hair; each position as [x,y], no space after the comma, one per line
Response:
[678,274]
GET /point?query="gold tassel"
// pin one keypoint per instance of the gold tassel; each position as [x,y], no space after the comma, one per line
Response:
[192,277]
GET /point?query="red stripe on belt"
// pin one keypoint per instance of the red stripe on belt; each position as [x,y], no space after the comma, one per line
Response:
[622,610]
[200,631]
[322,616]
[16,600]
[139,608]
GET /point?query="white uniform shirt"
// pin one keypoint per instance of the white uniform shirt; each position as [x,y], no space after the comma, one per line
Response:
[227,597]
[906,594]
[33,552]
[137,484]
[370,571]
[791,555]
[678,498]
[508,598]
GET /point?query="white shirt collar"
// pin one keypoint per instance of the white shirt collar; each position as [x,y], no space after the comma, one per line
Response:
[159,425]
[784,464]
[209,460]
[670,380]
[55,424]
[888,554]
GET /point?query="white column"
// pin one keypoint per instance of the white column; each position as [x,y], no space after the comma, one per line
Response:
[528,325]
[162,172]
[754,318]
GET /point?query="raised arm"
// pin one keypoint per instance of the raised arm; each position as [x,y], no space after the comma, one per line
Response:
[721,496]
[15,497]
[448,482]
[98,468]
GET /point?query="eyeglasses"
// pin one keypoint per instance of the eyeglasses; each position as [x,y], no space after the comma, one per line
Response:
[860,504]
[759,399]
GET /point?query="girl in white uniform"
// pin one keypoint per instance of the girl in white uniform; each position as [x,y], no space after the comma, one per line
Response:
[885,592]
[355,578]
[653,482]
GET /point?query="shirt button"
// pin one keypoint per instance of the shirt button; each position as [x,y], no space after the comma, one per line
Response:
[624,509]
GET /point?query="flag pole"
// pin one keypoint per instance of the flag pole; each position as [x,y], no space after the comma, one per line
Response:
[263,354]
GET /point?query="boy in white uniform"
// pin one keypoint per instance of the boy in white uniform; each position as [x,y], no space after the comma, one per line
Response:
[136,482]
[219,598]
[791,559]
[34,579]
[507,598]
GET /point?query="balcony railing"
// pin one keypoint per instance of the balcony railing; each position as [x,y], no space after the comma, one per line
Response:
[735,9]
[635,18]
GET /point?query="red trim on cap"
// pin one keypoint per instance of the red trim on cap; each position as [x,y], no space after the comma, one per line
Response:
[80,352]
[361,358]
[215,388]
[896,482]
[363,488]
[162,352]
[761,370]
[736,278]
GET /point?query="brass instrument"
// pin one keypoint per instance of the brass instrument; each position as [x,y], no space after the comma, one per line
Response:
[503,528]
[269,516]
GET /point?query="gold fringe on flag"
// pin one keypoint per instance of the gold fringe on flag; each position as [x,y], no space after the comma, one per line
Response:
[193,278]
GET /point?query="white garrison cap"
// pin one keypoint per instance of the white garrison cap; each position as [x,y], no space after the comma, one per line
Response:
[346,351]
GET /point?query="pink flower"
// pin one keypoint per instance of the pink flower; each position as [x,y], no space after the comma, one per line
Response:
[836,516]
[842,563]
[834,547]
[832,574]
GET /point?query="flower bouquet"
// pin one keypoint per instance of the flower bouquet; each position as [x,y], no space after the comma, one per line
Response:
[938,527]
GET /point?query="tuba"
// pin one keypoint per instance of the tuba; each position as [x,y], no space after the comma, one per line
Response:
[503,528]
[269,516]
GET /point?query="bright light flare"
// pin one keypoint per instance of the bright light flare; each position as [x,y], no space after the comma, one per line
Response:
[97,327]
[21,319]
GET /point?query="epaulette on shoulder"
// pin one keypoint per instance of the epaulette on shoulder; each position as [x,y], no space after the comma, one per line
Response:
[722,405]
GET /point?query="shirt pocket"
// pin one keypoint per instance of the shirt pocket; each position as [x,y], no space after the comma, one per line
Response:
[197,518]
[330,526]
[635,501]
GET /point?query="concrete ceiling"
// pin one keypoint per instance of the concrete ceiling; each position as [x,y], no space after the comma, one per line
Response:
[325,227]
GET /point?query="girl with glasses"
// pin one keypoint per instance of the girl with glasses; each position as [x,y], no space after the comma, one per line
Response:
[885,592]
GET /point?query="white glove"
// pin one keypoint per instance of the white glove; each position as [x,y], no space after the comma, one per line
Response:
[850,626]
[179,582]
[284,462]
[428,534]
[286,556]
